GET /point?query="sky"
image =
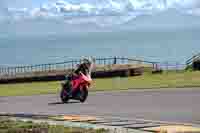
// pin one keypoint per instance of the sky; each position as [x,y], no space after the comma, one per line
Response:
[96,7]
[34,15]
[22,3]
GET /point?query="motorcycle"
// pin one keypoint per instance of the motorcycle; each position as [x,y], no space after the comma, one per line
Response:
[78,90]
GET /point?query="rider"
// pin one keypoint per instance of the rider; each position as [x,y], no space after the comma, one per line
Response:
[84,68]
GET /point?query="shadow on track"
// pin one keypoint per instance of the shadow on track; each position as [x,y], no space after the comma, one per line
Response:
[57,103]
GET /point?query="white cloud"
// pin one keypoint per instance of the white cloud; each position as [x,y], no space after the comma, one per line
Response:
[103,7]
[105,12]
[195,12]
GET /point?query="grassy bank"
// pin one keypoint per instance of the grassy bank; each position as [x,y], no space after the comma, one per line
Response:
[9,126]
[148,80]
[166,80]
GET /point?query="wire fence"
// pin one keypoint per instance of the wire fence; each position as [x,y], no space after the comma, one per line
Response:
[20,71]
[67,65]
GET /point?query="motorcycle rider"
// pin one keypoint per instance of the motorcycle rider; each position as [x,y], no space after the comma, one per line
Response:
[85,68]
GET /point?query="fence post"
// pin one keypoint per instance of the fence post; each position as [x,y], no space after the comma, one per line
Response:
[122,60]
[15,71]
[8,71]
[42,67]
[99,61]
[25,69]
[4,70]
[45,67]
[11,71]
[115,60]
[167,67]
[38,68]
[20,69]
[49,67]
[31,68]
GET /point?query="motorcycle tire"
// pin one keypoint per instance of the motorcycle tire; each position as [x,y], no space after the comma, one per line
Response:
[83,95]
[64,96]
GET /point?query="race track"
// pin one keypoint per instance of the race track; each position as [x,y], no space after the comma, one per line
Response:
[179,105]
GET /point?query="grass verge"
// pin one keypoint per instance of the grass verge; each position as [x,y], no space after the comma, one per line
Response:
[9,126]
[165,80]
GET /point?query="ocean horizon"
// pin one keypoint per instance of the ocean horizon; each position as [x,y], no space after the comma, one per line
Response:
[57,31]
[159,46]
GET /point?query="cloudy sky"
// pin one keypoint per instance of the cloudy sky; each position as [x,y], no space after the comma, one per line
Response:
[91,7]
[34,15]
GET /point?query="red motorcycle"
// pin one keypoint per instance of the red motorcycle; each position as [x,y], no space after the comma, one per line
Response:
[78,90]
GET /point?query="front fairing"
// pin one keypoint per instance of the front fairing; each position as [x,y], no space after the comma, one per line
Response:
[82,80]
[86,78]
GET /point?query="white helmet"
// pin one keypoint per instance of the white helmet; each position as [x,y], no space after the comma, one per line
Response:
[88,61]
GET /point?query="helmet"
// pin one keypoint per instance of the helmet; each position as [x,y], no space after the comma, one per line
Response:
[87,61]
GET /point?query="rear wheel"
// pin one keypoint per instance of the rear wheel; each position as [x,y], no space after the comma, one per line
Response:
[64,96]
[83,95]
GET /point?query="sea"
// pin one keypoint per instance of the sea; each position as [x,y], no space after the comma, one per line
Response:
[169,35]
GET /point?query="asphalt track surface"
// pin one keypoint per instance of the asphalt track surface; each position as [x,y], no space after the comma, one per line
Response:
[172,105]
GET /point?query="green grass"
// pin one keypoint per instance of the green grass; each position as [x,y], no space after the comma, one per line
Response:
[10,126]
[34,88]
[148,81]
[166,80]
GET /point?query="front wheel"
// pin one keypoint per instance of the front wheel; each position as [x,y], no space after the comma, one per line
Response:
[64,96]
[83,95]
